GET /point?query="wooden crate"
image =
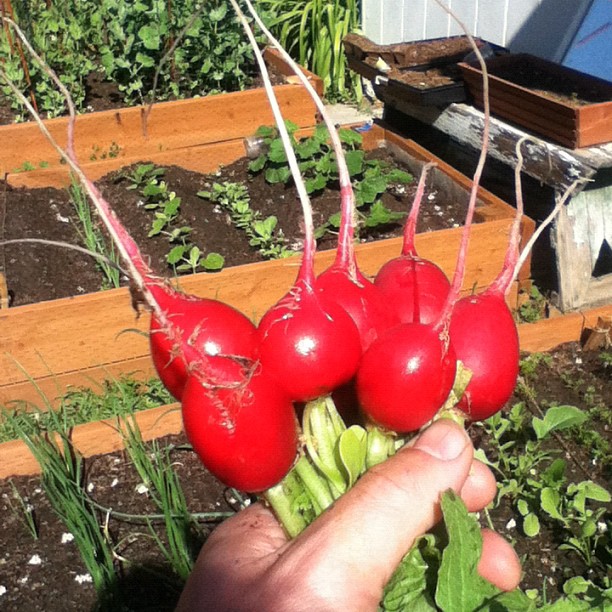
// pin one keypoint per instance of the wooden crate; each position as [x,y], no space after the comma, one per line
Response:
[102,436]
[78,341]
[572,125]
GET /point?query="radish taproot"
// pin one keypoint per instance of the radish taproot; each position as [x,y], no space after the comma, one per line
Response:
[307,343]
[343,282]
[484,333]
[405,377]
[415,288]
[244,431]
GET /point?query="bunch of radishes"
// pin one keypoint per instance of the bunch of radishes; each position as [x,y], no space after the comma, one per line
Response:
[397,340]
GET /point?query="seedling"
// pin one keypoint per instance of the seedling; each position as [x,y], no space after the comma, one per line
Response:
[262,233]
[317,163]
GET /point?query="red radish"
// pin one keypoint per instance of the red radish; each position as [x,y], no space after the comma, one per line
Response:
[415,288]
[484,334]
[205,326]
[245,432]
[405,377]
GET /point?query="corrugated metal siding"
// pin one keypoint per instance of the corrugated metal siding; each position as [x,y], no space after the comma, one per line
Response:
[541,27]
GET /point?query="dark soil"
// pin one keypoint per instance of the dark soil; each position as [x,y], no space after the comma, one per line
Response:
[146,581]
[40,272]
[576,378]
[59,580]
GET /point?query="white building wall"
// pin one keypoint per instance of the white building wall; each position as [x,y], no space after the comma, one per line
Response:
[541,27]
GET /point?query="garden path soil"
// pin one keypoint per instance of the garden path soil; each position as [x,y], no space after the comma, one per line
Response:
[52,584]
[39,272]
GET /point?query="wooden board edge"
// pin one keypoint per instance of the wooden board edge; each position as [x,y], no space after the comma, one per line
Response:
[547,334]
[96,438]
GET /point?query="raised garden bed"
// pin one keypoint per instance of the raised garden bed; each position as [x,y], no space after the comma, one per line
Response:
[74,341]
[115,138]
[559,103]
[103,436]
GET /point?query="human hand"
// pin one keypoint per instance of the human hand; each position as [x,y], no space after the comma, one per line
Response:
[344,559]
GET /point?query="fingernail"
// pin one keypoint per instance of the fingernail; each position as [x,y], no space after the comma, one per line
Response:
[443,440]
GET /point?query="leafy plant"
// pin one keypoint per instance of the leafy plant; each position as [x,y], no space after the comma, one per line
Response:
[317,163]
[312,32]
[183,256]
[533,308]
[186,258]
[537,482]
[126,41]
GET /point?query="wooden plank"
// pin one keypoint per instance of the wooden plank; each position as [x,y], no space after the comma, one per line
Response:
[70,334]
[199,158]
[170,126]
[550,333]
[95,438]
[551,164]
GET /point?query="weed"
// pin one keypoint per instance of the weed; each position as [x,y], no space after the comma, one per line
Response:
[92,237]
[534,308]
[23,510]
[154,467]
[111,153]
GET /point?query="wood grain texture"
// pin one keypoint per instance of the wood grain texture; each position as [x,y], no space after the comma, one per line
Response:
[574,126]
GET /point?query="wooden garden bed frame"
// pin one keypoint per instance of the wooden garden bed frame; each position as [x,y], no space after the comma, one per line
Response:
[113,139]
[103,437]
[72,342]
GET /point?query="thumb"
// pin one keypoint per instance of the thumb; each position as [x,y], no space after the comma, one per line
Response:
[372,526]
